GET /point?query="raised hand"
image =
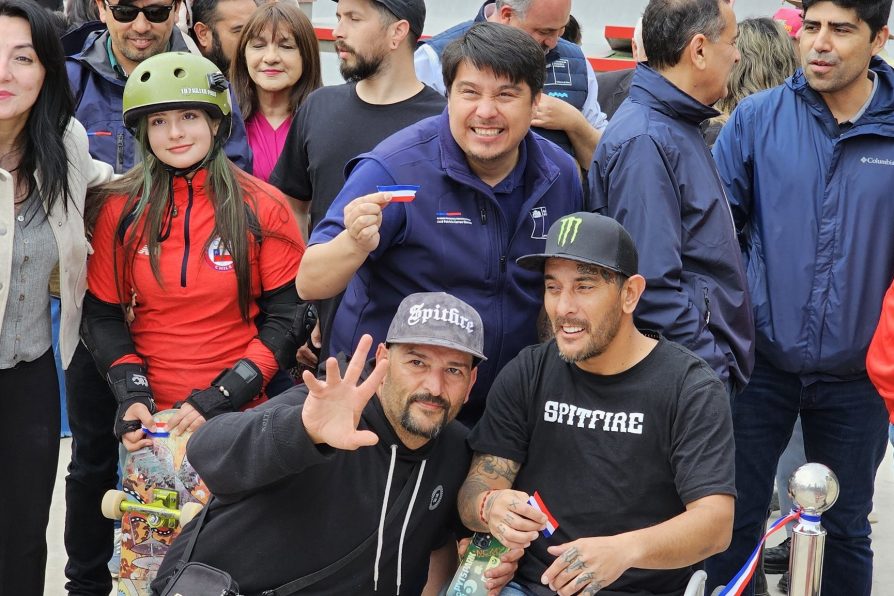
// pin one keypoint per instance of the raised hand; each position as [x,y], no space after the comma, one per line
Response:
[332,409]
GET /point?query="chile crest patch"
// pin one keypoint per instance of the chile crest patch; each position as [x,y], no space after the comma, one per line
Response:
[218,256]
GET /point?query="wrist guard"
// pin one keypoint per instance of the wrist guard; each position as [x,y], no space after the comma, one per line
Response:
[229,391]
[130,385]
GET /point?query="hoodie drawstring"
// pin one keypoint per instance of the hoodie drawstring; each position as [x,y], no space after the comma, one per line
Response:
[403,530]
[382,517]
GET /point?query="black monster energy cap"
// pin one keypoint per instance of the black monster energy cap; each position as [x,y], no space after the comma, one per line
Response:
[587,238]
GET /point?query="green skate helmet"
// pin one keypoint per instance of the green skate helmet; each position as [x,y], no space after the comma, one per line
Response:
[177,81]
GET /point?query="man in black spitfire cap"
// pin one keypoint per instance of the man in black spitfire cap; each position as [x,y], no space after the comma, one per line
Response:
[347,485]
[625,436]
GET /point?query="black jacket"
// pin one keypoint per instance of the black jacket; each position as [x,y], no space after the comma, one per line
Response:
[285,507]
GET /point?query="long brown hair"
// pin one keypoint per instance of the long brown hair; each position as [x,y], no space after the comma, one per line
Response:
[290,18]
[146,215]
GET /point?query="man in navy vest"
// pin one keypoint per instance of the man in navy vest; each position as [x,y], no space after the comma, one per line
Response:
[488,190]
[569,112]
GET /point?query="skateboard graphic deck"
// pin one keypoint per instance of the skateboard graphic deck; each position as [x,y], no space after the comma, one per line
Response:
[162,492]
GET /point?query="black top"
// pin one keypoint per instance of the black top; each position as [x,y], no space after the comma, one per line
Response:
[333,126]
[610,454]
[285,507]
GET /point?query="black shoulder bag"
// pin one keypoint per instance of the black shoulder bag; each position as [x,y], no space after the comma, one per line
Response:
[199,579]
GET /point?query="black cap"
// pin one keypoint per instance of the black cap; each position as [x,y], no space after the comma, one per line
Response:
[587,238]
[412,11]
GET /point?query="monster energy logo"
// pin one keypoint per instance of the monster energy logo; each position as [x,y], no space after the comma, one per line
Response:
[568,227]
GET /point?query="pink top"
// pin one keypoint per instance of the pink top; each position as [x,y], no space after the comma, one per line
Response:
[266,143]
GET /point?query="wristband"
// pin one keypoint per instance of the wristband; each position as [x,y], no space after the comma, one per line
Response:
[240,384]
[481,508]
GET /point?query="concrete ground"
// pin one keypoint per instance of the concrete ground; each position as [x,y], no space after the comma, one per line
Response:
[882,534]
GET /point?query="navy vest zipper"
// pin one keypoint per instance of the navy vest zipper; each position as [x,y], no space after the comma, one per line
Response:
[186,234]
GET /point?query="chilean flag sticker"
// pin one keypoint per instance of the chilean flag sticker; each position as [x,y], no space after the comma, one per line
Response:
[400,193]
[551,524]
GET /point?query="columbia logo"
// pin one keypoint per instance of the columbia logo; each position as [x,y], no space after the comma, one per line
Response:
[876,161]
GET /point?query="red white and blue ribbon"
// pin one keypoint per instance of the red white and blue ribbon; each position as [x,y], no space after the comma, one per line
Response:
[551,524]
[160,432]
[738,583]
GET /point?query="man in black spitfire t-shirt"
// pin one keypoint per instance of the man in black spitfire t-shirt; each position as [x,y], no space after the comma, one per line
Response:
[626,436]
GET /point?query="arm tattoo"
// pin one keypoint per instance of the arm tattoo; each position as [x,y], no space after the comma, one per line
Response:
[495,468]
[486,472]
[467,501]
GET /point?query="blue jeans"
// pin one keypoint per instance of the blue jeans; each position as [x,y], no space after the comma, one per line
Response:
[792,458]
[514,589]
[845,426]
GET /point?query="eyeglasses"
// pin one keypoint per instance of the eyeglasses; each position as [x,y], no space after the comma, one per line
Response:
[125,13]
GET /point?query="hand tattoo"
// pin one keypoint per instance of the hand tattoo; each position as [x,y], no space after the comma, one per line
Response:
[570,555]
[595,585]
[584,578]
[577,566]
[508,519]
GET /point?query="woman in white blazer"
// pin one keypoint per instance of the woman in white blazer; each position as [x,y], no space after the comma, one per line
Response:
[45,169]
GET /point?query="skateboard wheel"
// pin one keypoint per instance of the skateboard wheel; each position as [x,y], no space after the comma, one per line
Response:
[111,504]
[188,512]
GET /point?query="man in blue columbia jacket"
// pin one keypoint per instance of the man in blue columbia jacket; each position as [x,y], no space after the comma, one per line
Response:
[488,191]
[654,174]
[569,113]
[809,170]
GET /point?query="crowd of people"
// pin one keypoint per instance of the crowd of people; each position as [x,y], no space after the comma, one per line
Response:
[476,278]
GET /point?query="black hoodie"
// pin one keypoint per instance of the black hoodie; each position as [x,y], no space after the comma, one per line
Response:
[285,507]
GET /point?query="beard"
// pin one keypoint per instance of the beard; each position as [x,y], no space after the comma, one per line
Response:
[598,341]
[363,67]
[430,431]
[216,55]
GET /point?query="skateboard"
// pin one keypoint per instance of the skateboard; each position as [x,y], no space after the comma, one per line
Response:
[162,493]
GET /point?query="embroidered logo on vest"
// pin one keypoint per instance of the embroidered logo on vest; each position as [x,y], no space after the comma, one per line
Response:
[541,227]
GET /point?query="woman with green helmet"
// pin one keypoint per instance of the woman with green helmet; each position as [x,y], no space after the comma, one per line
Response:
[192,296]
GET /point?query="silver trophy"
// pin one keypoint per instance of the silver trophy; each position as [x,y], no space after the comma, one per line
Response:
[813,489]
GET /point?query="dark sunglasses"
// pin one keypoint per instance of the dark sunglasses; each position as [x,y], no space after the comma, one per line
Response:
[125,13]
